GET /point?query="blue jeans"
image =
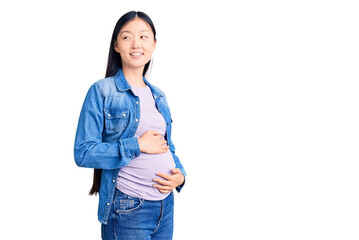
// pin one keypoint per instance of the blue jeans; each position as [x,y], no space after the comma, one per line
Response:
[137,219]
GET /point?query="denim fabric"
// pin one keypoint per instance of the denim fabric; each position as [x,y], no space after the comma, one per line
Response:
[137,219]
[105,133]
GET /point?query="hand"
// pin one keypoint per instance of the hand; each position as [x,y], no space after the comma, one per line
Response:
[171,182]
[152,142]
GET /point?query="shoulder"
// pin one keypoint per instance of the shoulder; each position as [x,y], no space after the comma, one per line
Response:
[104,86]
[158,90]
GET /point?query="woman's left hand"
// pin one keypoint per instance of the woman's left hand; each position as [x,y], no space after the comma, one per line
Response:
[171,182]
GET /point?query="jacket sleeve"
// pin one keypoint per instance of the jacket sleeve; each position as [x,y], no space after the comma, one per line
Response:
[177,162]
[89,150]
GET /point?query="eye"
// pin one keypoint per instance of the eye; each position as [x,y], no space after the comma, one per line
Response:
[143,36]
[126,37]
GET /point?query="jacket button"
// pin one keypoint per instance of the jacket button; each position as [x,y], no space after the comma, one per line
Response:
[109,115]
[136,102]
[108,204]
[136,120]
[124,115]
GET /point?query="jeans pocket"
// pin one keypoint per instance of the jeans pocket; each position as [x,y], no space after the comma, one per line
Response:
[126,204]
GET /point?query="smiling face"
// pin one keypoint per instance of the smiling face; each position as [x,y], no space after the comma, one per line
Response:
[135,43]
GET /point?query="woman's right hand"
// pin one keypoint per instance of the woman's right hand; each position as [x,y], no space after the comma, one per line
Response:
[152,142]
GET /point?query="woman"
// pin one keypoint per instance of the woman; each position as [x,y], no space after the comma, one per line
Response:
[124,133]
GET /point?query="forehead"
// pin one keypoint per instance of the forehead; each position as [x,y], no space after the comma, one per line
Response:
[136,25]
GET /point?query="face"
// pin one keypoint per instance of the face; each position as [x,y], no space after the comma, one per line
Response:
[135,43]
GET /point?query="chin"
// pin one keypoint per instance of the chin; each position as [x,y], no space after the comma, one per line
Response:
[137,64]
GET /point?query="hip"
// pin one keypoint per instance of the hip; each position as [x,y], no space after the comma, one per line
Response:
[136,218]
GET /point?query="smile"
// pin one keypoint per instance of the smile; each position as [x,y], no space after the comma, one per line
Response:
[136,54]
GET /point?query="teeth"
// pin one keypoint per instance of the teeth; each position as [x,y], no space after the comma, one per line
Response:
[136,54]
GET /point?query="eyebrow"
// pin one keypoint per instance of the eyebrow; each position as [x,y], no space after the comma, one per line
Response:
[130,32]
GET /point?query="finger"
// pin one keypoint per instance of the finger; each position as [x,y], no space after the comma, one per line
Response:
[154,132]
[162,182]
[165,147]
[163,191]
[163,188]
[165,176]
[164,150]
[176,170]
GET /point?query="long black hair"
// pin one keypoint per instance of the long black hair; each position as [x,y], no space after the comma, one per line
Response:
[114,63]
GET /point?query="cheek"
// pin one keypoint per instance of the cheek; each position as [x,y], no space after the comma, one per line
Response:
[123,48]
[149,49]
[123,55]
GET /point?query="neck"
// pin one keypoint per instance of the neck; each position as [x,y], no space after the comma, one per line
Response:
[134,76]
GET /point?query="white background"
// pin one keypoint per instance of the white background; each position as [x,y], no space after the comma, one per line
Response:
[264,98]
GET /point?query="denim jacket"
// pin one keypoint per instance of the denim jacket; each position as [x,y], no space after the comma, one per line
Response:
[105,134]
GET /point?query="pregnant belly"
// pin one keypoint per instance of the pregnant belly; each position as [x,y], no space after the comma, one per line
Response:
[136,179]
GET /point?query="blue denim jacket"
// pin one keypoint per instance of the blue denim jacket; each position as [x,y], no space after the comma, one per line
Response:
[105,134]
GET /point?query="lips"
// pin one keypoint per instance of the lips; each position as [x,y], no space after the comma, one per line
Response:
[136,54]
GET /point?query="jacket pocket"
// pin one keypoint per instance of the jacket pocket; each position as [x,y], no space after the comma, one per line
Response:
[116,119]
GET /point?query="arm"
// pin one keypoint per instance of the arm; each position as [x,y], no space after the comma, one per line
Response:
[177,161]
[89,150]
[176,180]
[178,165]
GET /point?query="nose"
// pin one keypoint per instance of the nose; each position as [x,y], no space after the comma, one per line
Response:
[135,44]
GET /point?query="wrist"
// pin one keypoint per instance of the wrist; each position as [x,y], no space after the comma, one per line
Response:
[139,143]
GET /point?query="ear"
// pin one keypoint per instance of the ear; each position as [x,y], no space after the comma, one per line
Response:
[115,46]
[154,45]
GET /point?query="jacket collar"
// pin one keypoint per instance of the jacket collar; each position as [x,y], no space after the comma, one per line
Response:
[122,84]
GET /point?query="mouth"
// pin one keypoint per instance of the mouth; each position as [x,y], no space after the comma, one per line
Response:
[136,54]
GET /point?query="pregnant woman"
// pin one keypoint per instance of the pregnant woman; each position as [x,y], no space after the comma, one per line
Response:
[124,133]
